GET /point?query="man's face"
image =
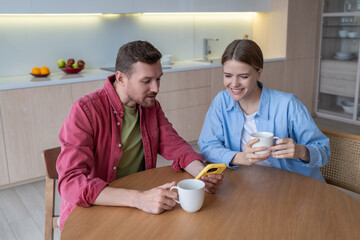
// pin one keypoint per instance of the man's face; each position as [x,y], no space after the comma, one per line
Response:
[142,86]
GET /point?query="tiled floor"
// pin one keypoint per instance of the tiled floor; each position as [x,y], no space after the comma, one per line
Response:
[22,207]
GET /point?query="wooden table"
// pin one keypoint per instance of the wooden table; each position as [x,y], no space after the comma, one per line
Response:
[254,202]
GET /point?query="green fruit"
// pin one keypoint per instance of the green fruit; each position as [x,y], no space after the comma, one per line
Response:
[61,63]
[75,65]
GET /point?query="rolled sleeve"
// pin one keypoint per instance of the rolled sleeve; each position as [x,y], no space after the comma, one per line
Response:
[319,156]
[227,157]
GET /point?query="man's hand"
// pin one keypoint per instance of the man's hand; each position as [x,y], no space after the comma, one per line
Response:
[212,182]
[157,200]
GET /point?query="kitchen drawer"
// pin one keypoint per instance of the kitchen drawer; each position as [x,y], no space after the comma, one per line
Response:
[188,121]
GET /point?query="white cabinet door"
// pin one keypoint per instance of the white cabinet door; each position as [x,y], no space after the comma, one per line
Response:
[133,6]
[82,6]
[202,6]
[229,5]
[158,6]
[18,6]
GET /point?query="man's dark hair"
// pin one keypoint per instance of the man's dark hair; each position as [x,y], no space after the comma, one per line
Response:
[136,51]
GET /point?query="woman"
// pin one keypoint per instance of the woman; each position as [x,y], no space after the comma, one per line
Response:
[247,106]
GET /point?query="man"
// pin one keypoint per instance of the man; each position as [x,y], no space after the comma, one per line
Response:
[119,130]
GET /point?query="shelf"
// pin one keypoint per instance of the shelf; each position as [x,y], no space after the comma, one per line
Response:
[341,14]
[340,113]
[341,25]
[340,38]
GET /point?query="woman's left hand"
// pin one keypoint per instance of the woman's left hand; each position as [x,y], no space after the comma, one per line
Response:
[287,148]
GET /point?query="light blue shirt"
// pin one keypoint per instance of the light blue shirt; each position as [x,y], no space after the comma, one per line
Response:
[280,113]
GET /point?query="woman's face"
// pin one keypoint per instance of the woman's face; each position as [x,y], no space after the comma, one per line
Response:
[240,79]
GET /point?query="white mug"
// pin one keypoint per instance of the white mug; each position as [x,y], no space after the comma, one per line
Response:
[191,194]
[266,139]
[166,59]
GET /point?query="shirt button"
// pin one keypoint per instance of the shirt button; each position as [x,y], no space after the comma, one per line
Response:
[115,168]
[122,111]
[119,144]
[115,112]
[118,123]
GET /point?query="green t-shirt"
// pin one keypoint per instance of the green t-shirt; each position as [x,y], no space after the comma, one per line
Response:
[132,159]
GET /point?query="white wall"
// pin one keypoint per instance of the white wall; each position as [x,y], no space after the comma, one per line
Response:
[27,41]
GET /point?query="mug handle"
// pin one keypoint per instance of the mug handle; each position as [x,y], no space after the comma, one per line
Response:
[277,138]
[178,191]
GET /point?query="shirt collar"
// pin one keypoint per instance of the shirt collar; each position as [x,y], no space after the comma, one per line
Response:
[264,105]
[232,104]
[112,95]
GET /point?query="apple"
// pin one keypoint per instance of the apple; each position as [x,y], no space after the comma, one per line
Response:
[75,65]
[81,63]
[61,63]
[70,61]
[68,66]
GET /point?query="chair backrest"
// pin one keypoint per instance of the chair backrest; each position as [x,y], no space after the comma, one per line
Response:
[343,169]
[50,156]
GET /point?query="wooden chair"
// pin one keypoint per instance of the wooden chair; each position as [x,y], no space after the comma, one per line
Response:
[50,156]
[343,169]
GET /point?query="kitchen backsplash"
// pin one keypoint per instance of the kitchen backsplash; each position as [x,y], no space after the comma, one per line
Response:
[27,41]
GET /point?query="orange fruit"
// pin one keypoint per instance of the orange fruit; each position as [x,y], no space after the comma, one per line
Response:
[36,71]
[44,70]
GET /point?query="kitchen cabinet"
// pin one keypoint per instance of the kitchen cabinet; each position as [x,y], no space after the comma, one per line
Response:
[202,6]
[133,6]
[66,6]
[338,75]
[273,75]
[20,6]
[229,6]
[185,98]
[31,119]
[4,175]
[83,6]
[158,6]
[79,90]
[217,82]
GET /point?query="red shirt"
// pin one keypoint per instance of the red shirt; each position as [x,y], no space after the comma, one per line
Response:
[91,148]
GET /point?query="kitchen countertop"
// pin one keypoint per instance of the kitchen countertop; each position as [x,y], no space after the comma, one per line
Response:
[86,75]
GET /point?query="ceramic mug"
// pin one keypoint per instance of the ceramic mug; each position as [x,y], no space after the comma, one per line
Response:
[166,59]
[191,194]
[266,139]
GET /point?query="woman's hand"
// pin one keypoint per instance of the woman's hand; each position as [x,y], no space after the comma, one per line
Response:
[249,156]
[287,148]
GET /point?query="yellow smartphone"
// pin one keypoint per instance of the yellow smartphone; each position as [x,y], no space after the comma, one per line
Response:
[213,168]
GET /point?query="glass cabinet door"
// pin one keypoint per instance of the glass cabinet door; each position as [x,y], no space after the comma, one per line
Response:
[336,6]
[339,65]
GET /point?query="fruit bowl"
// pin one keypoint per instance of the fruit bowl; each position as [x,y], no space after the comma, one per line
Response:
[40,75]
[71,70]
